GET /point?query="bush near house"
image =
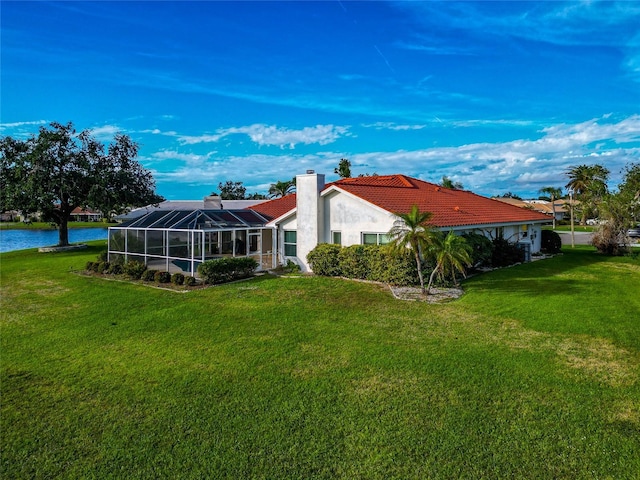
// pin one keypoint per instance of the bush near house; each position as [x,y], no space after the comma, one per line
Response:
[134,269]
[149,275]
[324,260]
[162,277]
[505,253]
[364,262]
[482,249]
[550,242]
[177,278]
[223,270]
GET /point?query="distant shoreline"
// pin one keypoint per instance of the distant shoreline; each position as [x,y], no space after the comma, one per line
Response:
[49,226]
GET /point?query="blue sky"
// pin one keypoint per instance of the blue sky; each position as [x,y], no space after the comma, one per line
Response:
[501,96]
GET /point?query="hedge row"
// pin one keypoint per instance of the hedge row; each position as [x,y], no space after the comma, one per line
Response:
[227,269]
[364,262]
[138,271]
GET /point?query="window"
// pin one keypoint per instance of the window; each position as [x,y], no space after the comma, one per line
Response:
[290,249]
[375,238]
[336,237]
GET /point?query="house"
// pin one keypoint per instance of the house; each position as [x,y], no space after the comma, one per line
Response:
[346,212]
[80,214]
[362,210]
[541,206]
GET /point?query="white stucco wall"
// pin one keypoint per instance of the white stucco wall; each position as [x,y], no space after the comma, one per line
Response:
[352,216]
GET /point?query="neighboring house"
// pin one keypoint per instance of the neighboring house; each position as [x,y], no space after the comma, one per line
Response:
[85,215]
[346,212]
[541,206]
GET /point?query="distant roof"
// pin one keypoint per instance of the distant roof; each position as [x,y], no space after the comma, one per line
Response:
[200,219]
[398,193]
[185,205]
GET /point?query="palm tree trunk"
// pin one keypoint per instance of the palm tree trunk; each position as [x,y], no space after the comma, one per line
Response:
[419,265]
[433,274]
[553,209]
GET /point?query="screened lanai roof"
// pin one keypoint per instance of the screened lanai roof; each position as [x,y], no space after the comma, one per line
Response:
[198,220]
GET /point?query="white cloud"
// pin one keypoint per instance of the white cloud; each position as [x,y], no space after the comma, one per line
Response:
[522,166]
[4,126]
[273,135]
[393,126]
[106,132]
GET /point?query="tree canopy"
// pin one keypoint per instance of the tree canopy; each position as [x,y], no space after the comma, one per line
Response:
[343,169]
[60,169]
[448,183]
[232,190]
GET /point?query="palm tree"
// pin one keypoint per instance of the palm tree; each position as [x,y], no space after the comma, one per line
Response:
[452,254]
[412,230]
[554,193]
[589,182]
[280,189]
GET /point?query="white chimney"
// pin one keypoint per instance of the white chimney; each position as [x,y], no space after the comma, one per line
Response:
[212,202]
[309,215]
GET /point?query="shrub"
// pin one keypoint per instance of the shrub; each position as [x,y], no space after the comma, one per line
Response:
[134,269]
[324,259]
[609,240]
[149,275]
[89,266]
[162,277]
[397,268]
[177,278]
[103,267]
[95,266]
[290,267]
[482,249]
[227,269]
[115,269]
[102,256]
[354,262]
[505,253]
[550,242]
[190,281]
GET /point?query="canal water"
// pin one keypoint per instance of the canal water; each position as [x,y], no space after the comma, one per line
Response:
[20,239]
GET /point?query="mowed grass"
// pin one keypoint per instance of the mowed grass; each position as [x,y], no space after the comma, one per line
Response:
[532,374]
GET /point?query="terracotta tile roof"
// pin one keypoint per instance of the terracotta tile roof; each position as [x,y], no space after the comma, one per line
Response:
[450,208]
[276,207]
[398,193]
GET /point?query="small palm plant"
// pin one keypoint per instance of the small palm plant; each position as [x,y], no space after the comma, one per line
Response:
[412,230]
[452,254]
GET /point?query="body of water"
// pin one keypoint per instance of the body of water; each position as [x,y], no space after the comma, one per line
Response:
[20,239]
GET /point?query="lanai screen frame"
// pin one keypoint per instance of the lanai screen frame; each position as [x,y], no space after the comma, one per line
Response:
[159,238]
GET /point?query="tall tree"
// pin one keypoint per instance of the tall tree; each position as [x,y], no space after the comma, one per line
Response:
[343,169]
[589,183]
[282,188]
[448,183]
[61,169]
[232,190]
[122,182]
[554,193]
[412,230]
[451,254]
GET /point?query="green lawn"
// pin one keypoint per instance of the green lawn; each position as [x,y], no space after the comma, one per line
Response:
[532,374]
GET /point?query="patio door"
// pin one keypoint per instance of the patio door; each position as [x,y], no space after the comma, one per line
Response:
[255,246]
